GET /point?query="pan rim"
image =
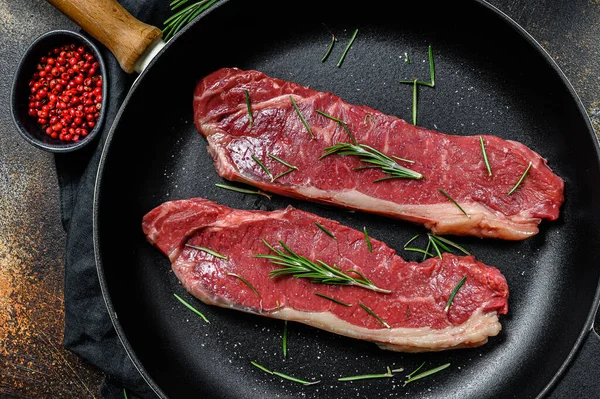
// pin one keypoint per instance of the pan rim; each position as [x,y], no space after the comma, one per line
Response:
[583,334]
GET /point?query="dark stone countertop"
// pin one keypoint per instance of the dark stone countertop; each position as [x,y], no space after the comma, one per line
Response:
[33,363]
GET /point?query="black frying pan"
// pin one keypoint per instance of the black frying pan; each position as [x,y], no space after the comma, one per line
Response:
[491,77]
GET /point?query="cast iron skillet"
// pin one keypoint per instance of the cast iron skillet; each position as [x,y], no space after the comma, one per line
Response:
[491,77]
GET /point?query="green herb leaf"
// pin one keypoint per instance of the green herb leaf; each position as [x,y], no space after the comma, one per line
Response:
[291,169]
[368,239]
[284,376]
[416,370]
[375,159]
[242,190]
[367,376]
[411,240]
[427,373]
[520,180]
[453,294]
[249,106]
[329,233]
[284,339]
[124,393]
[369,311]
[333,39]
[339,64]
[208,251]
[176,22]
[454,202]
[448,242]
[302,117]
[319,272]
[485,158]
[341,122]
[431,83]
[262,165]
[415,95]
[245,282]
[190,307]
[333,299]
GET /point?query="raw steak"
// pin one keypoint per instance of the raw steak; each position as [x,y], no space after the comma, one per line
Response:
[412,316]
[455,164]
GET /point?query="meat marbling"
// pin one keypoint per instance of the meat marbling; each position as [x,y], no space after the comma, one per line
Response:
[450,163]
[414,310]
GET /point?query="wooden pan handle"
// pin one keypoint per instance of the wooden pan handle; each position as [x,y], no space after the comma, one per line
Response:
[107,21]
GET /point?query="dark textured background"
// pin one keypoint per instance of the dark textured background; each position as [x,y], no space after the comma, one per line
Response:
[33,363]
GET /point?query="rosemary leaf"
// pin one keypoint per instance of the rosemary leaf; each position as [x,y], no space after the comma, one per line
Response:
[416,370]
[331,43]
[415,95]
[339,64]
[367,376]
[190,307]
[423,251]
[282,161]
[263,368]
[369,311]
[284,339]
[332,299]
[208,251]
[520,180]
[284,376]
[485,158]
[435,246]
[302,117]
[249,106]
[453,294]
[451,243]
[427,373]
[329,233]
[262,165]
[245,282]
[341,122]
[431,66]
[242,190]
[454,202]
[368,239]
[124,394]
[411,240]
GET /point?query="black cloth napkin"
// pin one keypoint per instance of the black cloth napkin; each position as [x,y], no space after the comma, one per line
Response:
[88,331]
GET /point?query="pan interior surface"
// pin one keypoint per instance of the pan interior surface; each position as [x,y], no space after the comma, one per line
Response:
[490,79]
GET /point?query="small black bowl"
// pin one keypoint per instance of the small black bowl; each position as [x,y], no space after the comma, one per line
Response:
[26,124]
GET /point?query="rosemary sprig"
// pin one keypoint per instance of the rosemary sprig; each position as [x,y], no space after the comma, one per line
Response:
[249,106]
[376,158]
[453,294]
[454,202]
[291,167]
[190,307]
[302,118]
[242,190]
[339,64]
[485,158]
[437,242]
[318,272]
[284,376]
[369,311]
[333,299]
[520,180]
[208,251]
[333,40]
[174,23]
[426,373]
[388,374]
[263,167]
[368,239]
[284,339]
[441,241]
[341,122]
[243,280]
[329,233]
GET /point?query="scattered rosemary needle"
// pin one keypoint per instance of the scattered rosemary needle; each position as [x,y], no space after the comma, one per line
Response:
[284,339]
[388,374]
[333,299]
[262,165]
[174,23]
[243,280]
[453,294]
[249,106]
[454,202]
[441,241]
[485,158]
[375,158]
[369,311]
[284,376]
[291,168]
[208,251]
[416,370]
[329,233]
[411,240]
[339,64]
[520,180]
[319,272]
[431,82]
[341,122]
[190,307]
[242,190]
[427,373]
[124,394]
[368,239]
[331,43]
[302,118]
[415,95]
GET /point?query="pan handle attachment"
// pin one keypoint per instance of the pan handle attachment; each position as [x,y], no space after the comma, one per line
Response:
[126,37]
